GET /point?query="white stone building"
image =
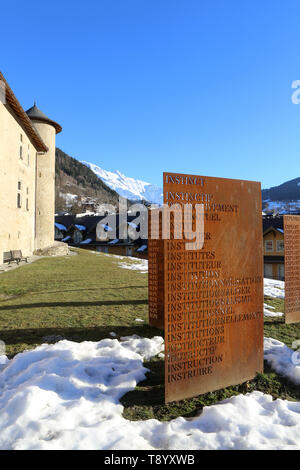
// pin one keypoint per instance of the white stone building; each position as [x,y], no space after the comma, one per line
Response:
[27,175]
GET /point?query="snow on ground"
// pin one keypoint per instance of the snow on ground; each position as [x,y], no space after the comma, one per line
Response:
[270,313]
[274,288]
[269,307]
[128,262]
[136,265]
[112,256]
[66,396]
[3,362]
[146,347]
[282,359]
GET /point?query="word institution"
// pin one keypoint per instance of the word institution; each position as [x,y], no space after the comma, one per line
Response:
[209,300]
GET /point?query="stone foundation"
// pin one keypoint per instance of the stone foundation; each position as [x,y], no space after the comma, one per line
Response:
[57,249]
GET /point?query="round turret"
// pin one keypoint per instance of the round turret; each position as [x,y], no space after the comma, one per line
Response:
[35,114]
[45,178]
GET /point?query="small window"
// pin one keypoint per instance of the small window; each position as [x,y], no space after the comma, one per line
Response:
[269,245]
[280,245]
[21,152]
[268,271]
[27,204]
[19,194]
[27,190]
[21,138]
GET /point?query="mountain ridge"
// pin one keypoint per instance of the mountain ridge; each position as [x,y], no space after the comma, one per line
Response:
[81,184]
[128,187]
[283,199]
[77,188]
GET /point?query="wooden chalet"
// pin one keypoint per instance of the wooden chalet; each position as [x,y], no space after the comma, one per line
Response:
[88,232]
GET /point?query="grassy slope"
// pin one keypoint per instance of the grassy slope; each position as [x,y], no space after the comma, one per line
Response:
[85,297]
[81,298]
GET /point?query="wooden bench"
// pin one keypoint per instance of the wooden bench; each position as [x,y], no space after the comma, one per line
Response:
[7,257]
[17,256]
[14,256]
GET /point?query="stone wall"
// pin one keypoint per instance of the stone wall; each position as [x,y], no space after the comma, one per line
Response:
[17,176]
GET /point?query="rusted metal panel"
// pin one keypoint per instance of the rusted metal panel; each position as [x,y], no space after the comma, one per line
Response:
[155,269]
[292,267]
[213,297]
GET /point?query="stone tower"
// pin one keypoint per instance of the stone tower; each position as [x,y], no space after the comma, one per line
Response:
[45,178]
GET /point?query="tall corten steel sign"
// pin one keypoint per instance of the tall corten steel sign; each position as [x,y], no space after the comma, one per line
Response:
[292,267]
[208,297]
[155,270]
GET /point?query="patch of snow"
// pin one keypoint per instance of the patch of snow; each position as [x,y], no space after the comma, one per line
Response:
[146,347]
[3,361]
[115,256]
[69,198]
[136,265]
[274,288]
[84,214]
[282,359]
[269,313]
[66,396]
[269,306]
[281,207]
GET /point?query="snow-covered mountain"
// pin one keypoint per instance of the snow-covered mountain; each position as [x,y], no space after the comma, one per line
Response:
[282,199]
[127,187]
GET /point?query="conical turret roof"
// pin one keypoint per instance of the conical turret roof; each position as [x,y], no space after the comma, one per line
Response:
[35,114]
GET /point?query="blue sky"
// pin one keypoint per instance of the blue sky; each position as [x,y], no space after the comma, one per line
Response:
[146,86]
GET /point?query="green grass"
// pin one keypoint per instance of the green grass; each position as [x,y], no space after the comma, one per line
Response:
[276,328]
[147,400]
[82,297]
[85,297]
